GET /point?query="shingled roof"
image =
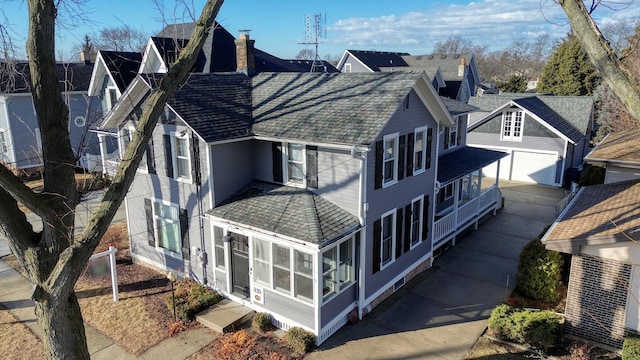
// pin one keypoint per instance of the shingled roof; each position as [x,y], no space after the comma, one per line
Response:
[619,148]
[374,60]
[294,212]
[15,77]
[465,160]
[599,214]
[570,115]
[123,66]
[448,64]
[331,108]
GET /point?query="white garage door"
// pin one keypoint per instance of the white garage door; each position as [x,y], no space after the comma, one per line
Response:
[534,167]
[505,168]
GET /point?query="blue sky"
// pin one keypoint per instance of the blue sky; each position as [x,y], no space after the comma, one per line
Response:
[278,26]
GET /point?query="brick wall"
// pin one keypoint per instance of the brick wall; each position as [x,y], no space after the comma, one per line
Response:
[596,299]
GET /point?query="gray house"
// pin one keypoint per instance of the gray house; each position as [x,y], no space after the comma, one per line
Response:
[544,135]
[453,76]
[20,146]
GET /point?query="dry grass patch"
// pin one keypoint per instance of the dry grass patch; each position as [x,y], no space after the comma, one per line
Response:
[18,341]
[486,349]
[246,345]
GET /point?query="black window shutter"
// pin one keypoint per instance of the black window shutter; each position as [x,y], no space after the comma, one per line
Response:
[312,167]
[151,158]
[410,139]
[408,218]
[377,240]
[425,217]
[447,132]
[378,171]
[429,143]
[398,225]
[184,233]
[276,154]
[168,156]
[148,210]
[459,134]
[401,156]
[195,160]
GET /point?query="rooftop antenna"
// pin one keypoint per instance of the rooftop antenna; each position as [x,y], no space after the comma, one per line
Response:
[314,30]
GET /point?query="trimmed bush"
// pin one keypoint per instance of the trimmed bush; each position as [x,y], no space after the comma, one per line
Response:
[300,340]
[539,272]
[631,348]
[191,298]
[537,328]
[261,322]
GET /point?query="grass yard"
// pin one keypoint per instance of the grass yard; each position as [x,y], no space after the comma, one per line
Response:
[18,341]
[246,345]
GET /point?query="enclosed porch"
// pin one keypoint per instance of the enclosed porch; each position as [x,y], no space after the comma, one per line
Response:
[464,194]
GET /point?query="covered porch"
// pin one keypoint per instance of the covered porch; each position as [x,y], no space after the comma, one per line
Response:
[464,195]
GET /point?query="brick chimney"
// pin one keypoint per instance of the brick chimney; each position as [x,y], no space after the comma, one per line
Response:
[87,54]
[245,61]
[463,64]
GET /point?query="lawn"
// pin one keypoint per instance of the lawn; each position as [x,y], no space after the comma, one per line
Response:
[18,341]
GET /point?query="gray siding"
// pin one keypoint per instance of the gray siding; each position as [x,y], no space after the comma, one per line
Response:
[7,158]
[617,173]
[529,142]
[337,305]
[356,65]
[294,310]
[232,168]
[339,178]
[531,127]
[398,195]
[159,186]
[23,133]
[262,161]
[84,141]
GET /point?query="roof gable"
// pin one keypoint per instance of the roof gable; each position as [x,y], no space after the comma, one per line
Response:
[121,67]
[376,59]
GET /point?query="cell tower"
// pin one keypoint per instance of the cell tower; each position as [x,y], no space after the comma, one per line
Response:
[314,30]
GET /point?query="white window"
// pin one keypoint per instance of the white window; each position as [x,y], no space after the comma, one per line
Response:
[38,140]
[4,147]
[261,261]
[218,247]
[292,270]
[448,191]
[181,157]
[337,268]
[111,97]
[347,68]
[451,135]
[390,160]
[295,164]
[125,140]
[303,275]
[419,150]
[281,268]
[512,123]
[167,227]
[388,238]
[416,221]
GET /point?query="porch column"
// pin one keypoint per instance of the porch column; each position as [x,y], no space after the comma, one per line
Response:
[456,203]
[103,152]
[479,182]
[498,173]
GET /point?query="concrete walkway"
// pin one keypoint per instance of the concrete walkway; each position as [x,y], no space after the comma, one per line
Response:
[441,313]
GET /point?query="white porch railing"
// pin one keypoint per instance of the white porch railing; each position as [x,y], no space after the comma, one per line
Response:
[470,210]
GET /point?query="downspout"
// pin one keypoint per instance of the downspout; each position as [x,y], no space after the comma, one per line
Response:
[362,154]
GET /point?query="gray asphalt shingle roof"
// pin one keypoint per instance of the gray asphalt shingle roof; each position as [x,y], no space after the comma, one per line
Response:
[290,211]
[331,108]
[456,164]
[123,66]
[570,115]
[377,59]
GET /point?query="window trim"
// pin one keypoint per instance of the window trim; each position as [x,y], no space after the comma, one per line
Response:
[452,131]
[448,196]
[291,293]
[423,166]
[394,225]
[418,236]
[174,156]
[285,165]
[516,117]
[4,144]
[216,266]
[340,286]
[394,178]
[128,131]
[347,68]
[159,248]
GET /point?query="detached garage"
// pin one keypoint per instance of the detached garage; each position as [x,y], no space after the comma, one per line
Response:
[544,135]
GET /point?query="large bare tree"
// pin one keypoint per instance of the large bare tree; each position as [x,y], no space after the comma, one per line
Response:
[619,79]
[53,258]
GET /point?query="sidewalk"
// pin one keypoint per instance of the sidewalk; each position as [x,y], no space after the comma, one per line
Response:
[15,296]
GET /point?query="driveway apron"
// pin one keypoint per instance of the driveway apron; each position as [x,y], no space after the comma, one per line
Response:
[441,313]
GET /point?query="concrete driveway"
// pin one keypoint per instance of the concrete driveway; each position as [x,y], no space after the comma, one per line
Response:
[441,313]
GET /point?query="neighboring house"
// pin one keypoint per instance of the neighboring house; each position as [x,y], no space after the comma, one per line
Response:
[619,153]
[307,196]
[544,135]
[453,76]
[20,145]
[599,228]
[114,71]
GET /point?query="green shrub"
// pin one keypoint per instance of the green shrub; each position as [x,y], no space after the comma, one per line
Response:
[537,328]
[191,298]
[300,340]
[261,322]
[631,348]
[593,176]
[539,272]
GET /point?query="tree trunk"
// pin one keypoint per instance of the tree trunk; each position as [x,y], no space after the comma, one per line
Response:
[63,329]
[602,56]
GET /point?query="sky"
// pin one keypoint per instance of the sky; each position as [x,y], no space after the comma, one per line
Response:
[278,26]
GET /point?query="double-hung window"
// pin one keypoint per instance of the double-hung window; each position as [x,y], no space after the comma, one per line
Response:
[512,123]
[167,226]
[303,275]
[337,268]
[390,160]
[125,140]
[261,261]
[218,247]
[295,164]
[292,269]
[419,150]
[182,164]
[416,221]
[388,237]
